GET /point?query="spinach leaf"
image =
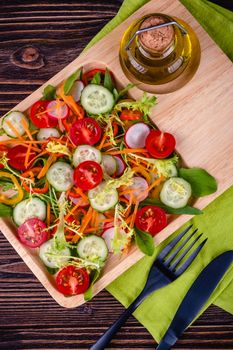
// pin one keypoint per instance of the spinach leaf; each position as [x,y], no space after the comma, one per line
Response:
[96,79]
[108,83]
[144,242]
[89,292]
[124,91]
[70,81]
[201,181]
[185,210]
[49,93]
[5,210]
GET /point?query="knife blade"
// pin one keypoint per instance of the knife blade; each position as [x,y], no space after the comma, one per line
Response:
[194,300]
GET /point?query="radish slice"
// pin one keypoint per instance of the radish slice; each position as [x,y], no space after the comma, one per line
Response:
[139,188]
[110,164]
[136,135]
[57,109]
[108,236]
[79,200]
[76,90]
[121,166]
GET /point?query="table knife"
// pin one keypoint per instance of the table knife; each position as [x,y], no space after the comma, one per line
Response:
[194,300]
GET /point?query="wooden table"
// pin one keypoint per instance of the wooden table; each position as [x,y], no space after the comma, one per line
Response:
[36,41]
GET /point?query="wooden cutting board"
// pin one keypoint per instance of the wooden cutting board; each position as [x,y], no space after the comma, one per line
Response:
[200,115]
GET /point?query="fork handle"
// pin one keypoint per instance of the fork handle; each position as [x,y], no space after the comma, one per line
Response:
[107,336]
[167,341]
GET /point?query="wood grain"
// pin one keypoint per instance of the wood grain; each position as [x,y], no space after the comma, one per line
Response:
[29,318]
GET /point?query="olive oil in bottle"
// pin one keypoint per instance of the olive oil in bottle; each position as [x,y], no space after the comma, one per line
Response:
[161,59]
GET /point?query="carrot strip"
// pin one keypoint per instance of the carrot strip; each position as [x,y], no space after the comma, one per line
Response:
[14,130]
[45,168]
[48,216]
[25,126]
[134,215]
[102,142]
[80,192]
[86,220]
[92,229]
[110,144]
[69,100]
[127,150]
[155,183]
[27,155]
[139,169]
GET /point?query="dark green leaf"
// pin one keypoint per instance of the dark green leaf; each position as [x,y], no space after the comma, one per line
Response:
[124,91]
[115,94]
[108,83]
[5,210]
[185,210]
[70,81]
[51,270]
[201,181]
[49,93]
[89,293]
[144,242]
[96,79]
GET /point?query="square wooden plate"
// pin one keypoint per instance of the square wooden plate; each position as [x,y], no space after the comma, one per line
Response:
[200,115]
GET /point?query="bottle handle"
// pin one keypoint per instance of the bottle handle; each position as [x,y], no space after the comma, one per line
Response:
[183,31]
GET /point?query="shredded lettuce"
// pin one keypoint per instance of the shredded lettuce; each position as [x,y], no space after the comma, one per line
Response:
[161,165]
[143,105]
[57,147]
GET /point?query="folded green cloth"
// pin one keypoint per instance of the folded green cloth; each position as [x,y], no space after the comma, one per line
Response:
[157,311]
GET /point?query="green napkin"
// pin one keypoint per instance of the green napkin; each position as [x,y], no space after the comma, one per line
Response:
[157,311]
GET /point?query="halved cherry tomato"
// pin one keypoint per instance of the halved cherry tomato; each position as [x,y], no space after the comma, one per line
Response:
[39,117]
[16,156]
[72,280]
[151,219]
[31,174]
[87,77]
[159,144]
[88,175]
[85,131]
[3,150]
[72,118]
[129,114]
[33,233]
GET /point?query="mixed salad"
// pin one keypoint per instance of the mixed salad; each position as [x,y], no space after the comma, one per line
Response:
[84,173]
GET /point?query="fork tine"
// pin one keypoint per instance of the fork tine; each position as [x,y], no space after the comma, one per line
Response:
[190,259]
[177,261]
[176,251]
[170,245]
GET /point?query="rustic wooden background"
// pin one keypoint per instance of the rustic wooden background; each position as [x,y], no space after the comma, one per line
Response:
[37,39]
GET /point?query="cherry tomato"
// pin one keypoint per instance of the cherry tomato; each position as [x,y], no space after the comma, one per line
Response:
[3,151]
[72,118]
[129,114]
[85,131]
[16,156]
[87,77]
[159,144]
[32,233]
[88,175]
[151,219]
[72,280]
[39,116]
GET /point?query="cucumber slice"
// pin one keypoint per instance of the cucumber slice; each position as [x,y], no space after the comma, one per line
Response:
[86,152]
[102,200]
[96,99]
[29,208]
[92,247]
[15,118]
[60,176]
[53,262]
[175,192]
[110,164]
[45,133]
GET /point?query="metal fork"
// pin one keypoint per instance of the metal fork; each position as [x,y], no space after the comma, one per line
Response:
[165,269]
